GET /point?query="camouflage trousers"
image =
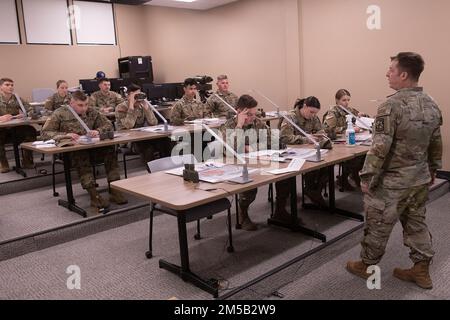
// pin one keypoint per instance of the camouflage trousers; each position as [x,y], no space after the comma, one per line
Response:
[384,207]
[352,167]
[22,133]
[246,198]
[315,182]
[83,161]
[145,149]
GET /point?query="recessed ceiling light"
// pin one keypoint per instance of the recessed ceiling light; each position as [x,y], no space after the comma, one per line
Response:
[185,0]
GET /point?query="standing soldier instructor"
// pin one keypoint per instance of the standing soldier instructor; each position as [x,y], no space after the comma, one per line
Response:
[399,167]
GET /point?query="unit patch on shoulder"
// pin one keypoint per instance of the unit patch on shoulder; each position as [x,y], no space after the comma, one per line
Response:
[380,124]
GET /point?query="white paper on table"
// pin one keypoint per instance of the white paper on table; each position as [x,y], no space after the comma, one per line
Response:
[158,128]
[43,146]
[364,136]
[303,153]
[213,172]
[275,113]
[365,122]
[294,166]
[87,140]
[205,121]
[269,155]
[40,142]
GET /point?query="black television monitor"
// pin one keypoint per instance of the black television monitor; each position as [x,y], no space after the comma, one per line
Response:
[180,90]
[155,92]
[89,86]
[174,91]
[116,83]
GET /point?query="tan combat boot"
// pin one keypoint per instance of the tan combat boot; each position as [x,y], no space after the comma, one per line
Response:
[97,202]
[4,165]
[117,197]
[358,268]
[27,161]
[244,221]
[419,274]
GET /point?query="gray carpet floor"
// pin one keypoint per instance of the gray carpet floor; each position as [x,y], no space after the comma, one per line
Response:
[36,209]
[113,264]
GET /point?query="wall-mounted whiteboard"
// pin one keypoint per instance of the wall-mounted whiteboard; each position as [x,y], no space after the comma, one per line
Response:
[46,21]
[9,27]
[94,23]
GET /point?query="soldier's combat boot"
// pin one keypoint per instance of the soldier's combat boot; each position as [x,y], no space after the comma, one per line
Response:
[97,202]
[316,197]
[27,161]
[117,197]
[419,274]
[244,221]
[280,211]
[358,268]
[4,165]
[343,184]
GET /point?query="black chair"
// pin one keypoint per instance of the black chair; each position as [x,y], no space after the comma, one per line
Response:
[199,211]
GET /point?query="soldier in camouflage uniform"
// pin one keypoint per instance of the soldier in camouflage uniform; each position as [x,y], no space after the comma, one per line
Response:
[305,116]
[246,121]
[62,125]
[401,164]
[105,100]
[187,108]
[9,107]
[335,122]
[136,114]
[60,98]
[215,106]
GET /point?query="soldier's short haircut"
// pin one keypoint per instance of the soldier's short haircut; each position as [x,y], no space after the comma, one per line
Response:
[189,82]
[342,92]
[410,62]
[222,77]
[3,80]
[133,87]
[311,101]
[60,82]
[246,101]
[103,80]
[79,95]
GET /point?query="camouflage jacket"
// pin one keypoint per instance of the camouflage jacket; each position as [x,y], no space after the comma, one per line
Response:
[407,141]
[56,101]
[136,118]
[334,120]
[12,106]
[99,100]
[62,122]
[185,109]
[290,135]
[256,135]
[219,109]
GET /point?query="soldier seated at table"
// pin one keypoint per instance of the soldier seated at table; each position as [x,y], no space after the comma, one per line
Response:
[305,116]
[135,113]
[335,122]
[9,109]
[218,108]
[105,100]
[252,130]
[62,124]
[188,108]
[60,98]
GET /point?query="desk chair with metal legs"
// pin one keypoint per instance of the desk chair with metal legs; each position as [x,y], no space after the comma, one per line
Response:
[127,151]
[192,214]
